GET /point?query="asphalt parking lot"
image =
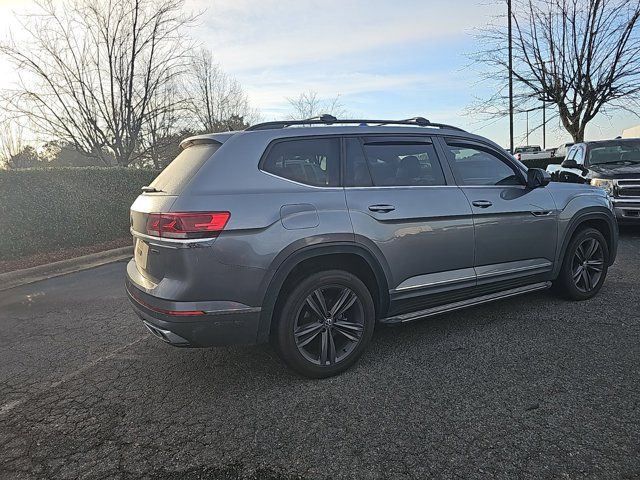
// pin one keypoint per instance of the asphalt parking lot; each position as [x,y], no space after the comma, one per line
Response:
[532,387]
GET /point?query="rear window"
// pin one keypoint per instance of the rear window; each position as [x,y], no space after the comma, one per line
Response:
[314,161]
[177,174]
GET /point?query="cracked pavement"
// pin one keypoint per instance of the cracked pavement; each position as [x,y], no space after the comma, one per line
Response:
[531,387]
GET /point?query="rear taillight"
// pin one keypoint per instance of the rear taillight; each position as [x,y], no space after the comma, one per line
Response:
[186,225]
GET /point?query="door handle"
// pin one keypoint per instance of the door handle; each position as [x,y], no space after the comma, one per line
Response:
[382,208]
[482,203]
[541,213]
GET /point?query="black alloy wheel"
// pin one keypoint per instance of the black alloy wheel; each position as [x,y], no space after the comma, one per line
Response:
[585,265]
[324,323]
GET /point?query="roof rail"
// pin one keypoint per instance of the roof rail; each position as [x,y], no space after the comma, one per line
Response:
[327,119]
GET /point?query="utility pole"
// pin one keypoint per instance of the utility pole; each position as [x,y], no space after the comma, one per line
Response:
[544,125]
[511,80]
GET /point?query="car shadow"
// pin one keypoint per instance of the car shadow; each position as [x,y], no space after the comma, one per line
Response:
[439,334]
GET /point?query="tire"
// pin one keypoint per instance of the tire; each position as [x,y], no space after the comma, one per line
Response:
[307,329]
[585,265]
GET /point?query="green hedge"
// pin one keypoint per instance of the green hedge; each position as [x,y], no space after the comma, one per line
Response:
[43,210]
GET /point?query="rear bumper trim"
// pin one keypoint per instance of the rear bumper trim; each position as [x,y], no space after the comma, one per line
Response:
[173,313]
[215,326]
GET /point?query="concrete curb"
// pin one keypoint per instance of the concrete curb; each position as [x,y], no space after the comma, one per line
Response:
[63,267]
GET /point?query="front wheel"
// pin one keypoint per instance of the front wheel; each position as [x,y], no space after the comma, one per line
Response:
[325,324]
[585,265]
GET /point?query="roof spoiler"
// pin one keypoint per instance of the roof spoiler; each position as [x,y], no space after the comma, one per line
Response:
[207,138]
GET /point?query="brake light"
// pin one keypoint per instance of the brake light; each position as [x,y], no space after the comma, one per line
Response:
[187,225]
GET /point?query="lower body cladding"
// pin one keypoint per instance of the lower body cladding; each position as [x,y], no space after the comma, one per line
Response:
[196,324]
[627,211]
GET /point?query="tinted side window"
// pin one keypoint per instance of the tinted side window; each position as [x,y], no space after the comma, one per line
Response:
[356,169]
[403,164]
[475,166]
[579,155]
[314,161]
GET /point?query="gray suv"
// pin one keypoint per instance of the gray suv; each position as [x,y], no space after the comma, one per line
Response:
[309,233]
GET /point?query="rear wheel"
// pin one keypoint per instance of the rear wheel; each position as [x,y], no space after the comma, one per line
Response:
[585,265]
[325,324]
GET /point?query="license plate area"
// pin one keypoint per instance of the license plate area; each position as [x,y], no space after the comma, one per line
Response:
[141,252]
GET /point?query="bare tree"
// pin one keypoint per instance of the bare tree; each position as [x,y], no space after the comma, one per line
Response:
[90,70]
[216,99]
[309,104]
[582,56]
[158,135]
[15,152]
[11,142]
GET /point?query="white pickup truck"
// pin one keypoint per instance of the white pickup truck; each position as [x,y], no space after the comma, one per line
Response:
[530,152]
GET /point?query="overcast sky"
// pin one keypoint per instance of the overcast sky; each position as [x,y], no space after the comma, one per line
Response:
[390,59]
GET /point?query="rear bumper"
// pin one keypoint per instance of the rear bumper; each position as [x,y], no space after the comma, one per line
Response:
[194,324]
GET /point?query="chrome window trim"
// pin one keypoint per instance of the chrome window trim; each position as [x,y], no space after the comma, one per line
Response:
[520,186]
[299,183]
[391,187]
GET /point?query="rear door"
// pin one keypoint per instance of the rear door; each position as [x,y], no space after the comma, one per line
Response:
[150,253]
[515,227]
[404,205]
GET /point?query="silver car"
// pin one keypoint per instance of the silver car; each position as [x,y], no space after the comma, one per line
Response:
[310,233]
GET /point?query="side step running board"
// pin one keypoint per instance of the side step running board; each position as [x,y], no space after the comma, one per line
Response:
[450,307]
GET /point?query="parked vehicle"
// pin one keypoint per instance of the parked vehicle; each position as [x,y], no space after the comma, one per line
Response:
[310,233]
[561,151]
[530,152]
[613,165]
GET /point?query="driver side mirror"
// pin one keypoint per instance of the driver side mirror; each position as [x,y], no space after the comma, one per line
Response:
[536,178]
[570,164]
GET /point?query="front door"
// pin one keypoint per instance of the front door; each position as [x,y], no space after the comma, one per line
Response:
[515,226]
[405,206]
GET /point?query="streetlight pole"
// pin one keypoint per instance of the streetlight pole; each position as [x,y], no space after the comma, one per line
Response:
[511,80]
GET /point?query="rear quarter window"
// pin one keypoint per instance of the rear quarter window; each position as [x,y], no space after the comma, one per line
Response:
[177,174]
[312,161]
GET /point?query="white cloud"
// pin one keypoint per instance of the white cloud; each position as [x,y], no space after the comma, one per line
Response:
[279,48]
[255,34]
[270,91]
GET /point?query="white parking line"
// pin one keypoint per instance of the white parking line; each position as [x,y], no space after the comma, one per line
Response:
[7,407]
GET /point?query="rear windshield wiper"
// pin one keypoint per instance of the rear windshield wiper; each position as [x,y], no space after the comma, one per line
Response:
[151,190]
